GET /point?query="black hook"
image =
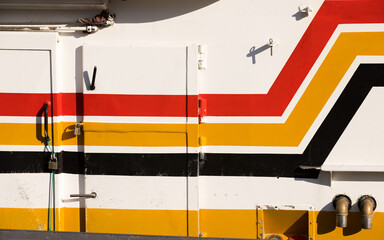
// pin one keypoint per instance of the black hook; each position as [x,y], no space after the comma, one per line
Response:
[92,86]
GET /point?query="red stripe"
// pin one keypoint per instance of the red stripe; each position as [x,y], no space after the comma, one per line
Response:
[137,105]
[27,104]
[300,62]
[22,104]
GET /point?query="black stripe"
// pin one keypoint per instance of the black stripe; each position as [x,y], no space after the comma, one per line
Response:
[20,162]
[277,165]
[141,164]
[102,163]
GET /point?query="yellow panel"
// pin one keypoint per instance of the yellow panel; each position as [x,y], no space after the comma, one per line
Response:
[151,222]
[286,222]
[193,223]
[71,220]
[67,219]
[228,223]
[24,219]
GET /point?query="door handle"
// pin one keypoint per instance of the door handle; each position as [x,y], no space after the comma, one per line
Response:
[91,195]
[46,108]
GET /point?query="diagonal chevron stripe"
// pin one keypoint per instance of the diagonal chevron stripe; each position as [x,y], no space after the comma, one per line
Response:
[287,165]
[347,47]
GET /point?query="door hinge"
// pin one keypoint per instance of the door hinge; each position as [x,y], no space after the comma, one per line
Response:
[202,56]
[202,150]
[202,109]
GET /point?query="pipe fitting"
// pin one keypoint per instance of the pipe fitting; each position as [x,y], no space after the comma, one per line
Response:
[367,205]
[342,203]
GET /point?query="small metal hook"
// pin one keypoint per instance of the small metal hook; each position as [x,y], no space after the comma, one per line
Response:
[271,44]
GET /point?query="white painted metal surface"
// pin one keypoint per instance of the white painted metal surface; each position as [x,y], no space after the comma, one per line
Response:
[360,146]
[153,49]
[248,192]
[169,192]
[54,4]
[136,69]
[19,75]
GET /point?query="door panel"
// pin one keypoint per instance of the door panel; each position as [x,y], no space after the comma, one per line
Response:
[21,76]
[135,139]
[25,79]
[136,69]
[25,86]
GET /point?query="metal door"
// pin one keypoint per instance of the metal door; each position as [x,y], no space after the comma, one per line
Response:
[26,139]
[135,139]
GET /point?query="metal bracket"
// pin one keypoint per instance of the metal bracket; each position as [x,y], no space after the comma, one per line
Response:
[92,29]
[305,9]
[260,222]
[202,109]
[202,150]
[202,57]
[311,223]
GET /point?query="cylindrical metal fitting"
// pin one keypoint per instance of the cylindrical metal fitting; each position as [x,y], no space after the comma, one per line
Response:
[367,205]
[342,203]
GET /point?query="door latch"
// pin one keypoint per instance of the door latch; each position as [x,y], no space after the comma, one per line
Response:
[91,195]
[77,131]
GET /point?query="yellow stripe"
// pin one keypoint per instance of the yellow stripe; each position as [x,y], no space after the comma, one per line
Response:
[102,134]
[150,222]
[154,222]
[23,218]
[228,223]
[213,222]
[291,133]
